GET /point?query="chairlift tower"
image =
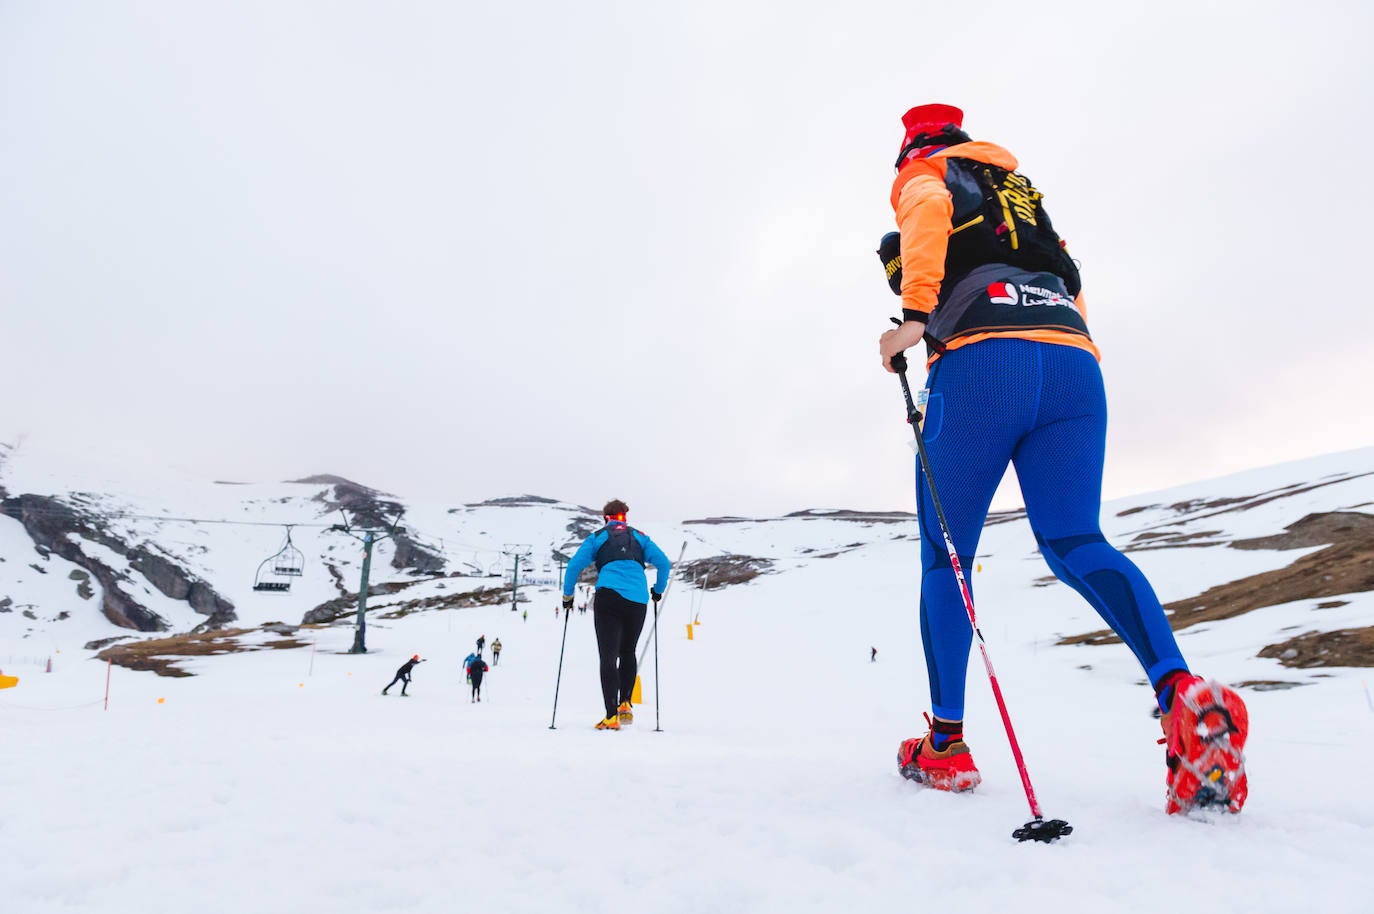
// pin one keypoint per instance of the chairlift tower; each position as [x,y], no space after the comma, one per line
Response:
[368,538]
[517,551]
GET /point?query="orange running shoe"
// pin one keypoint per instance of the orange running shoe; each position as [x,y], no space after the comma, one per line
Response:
[610,723]
[625,713]
[950,769]
[1205,730]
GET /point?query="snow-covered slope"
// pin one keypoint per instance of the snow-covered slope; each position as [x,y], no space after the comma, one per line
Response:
[280,780]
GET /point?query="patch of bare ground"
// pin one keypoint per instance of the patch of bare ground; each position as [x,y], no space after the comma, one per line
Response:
[480,597]
[1345,566]
[719,571]
[1217,506]
[159,655]
[347,603]
[868,517]
[1347,647]
[1268,685]
[1159,540]
[1004,517]
[840,514]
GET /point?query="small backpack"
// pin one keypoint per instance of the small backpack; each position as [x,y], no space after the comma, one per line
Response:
[620,545]
[999,218]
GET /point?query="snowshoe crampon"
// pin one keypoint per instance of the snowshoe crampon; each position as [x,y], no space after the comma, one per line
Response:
[952,770]
[1205,733]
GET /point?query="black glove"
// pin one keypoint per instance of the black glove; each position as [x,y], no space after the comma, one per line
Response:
[567,602]
[656,596]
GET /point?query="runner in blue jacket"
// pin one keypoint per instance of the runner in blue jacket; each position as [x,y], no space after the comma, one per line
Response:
[622,596]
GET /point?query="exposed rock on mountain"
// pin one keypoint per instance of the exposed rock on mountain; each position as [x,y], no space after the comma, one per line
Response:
[719,571]
[52,524]
[367,507]
[57,528]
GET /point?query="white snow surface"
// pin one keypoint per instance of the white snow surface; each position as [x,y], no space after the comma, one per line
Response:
[283,781]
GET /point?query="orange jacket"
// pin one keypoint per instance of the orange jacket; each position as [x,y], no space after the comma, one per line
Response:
[925,212]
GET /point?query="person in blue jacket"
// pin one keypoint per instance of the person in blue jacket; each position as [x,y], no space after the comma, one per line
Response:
[622,598]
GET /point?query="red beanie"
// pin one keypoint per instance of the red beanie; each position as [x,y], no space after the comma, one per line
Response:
[929,119]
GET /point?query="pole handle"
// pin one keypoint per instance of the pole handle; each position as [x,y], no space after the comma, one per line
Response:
[898,361]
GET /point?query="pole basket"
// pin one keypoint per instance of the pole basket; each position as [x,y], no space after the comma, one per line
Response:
[1042,830]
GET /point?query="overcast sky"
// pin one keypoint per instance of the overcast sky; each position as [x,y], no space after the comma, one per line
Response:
[625,249]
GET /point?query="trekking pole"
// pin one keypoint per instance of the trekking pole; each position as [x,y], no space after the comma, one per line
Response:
[657,728]
[645,649]
[1038,829]
[558,681]
[639,661]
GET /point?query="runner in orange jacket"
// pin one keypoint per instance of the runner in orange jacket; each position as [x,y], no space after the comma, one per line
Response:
[987,283]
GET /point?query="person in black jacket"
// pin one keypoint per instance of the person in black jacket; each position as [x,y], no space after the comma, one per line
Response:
[476,670]
[403,674]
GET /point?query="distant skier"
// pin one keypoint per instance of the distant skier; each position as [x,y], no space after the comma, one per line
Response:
[476,670]
[622,597]
[481,642]
[1013,378]
[496,652]
[468,661]
[873,655]
[403,674]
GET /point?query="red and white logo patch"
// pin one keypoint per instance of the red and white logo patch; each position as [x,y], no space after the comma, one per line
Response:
[1003,293]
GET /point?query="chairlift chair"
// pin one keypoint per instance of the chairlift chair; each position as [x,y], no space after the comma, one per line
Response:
[275,572]
[289,561]
[265,583]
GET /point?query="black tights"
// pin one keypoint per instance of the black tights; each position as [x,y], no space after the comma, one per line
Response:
[618,623]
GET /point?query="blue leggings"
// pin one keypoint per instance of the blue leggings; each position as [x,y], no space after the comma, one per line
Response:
[1042,408]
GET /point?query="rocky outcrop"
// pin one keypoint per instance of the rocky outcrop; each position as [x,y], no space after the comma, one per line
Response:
[104,642]
[410,554]
[515,501]
[369,508]
[51,524]
[719,571]
[56,528]
[176,582]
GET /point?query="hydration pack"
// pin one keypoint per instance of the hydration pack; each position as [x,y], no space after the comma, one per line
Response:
[998,218]
[620,546]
